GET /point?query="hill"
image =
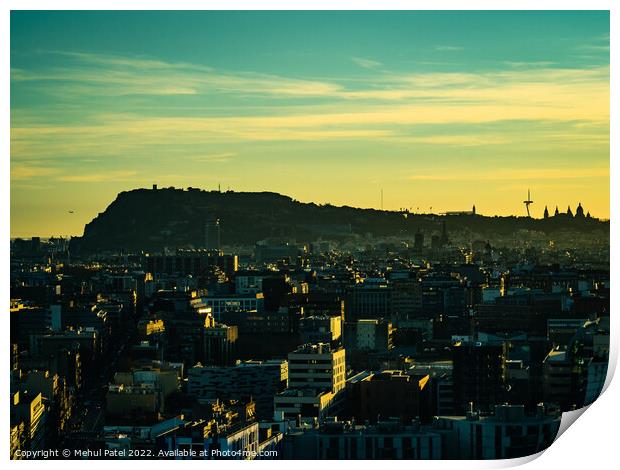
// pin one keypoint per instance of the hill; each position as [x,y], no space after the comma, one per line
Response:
[150,219]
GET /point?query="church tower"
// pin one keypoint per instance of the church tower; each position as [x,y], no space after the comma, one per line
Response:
[579,211]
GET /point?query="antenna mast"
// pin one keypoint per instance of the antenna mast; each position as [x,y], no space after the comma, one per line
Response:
[527,203]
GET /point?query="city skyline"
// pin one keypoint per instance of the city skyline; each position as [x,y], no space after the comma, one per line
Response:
[435,109]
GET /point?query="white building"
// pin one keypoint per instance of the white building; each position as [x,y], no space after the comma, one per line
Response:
[317,366]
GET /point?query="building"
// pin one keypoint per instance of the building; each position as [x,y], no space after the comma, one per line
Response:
[133,403]
[370,299]
[388,394]
[210,440]
[235,303]
[317,366]
[418,242]
[271,252]
[86,339]
[508,433]
[198,263]
[346,440]
[28,421]
[297,403]
[320,329]
[212,234]
[55,393]
[368,335]
[442,294]
[406,297]
[163,377]
[316,380]
[478,375]
[28,320]
[260,380]
[250,282]
[220,344]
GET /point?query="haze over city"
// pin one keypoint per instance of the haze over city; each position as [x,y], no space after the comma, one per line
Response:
[439,110]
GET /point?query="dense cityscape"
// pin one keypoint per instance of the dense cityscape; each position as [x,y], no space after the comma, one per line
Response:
[433,341]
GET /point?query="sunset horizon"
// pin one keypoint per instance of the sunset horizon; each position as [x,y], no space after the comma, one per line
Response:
[437,109]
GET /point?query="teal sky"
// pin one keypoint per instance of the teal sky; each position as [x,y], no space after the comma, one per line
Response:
[441,109]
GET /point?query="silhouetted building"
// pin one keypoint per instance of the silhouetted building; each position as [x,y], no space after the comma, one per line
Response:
[220,344]
[212,234]
[418,242]
[344,440]
[370,299]
[388,394]
[508,433]
[579,211]
[477,375]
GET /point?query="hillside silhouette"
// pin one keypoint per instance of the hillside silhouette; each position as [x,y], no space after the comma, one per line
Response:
[151,219]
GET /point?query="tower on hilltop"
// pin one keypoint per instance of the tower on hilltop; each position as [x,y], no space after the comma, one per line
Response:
[527,203]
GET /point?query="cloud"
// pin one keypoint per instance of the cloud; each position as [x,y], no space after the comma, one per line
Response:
[102,75]
[457,140]
[98,74]
[420,108]
[530,64]
[515,174]
[214,157]
[99,177]
[28,172]
[366,63]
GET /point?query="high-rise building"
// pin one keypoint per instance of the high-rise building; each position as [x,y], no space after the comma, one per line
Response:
[418,242]
[212,234]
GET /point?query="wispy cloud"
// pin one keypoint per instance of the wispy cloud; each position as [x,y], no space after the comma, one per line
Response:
[223,157]
[366,63]
[117,76]
[29,171]
[99,177]
[408,108]
[515,174]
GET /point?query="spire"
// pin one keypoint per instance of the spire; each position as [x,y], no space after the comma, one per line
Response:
[579,211]
[557,212]
[569,212]
[588,215]
[473,210]
[546,215]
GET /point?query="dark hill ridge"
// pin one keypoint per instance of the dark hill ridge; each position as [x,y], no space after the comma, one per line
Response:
[150,219]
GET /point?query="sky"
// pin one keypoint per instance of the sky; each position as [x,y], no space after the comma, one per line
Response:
[440,110]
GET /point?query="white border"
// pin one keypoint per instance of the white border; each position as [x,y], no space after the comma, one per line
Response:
[589,444]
